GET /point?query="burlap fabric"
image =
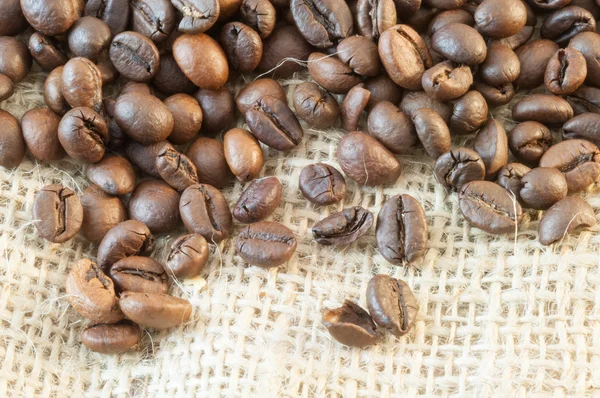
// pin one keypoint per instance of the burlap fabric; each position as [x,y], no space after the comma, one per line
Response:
[499,316]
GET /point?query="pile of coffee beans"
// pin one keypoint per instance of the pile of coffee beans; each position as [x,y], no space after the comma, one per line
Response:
[397,75]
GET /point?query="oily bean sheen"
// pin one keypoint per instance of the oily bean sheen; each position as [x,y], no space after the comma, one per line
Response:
[404,55]
[469,113]
[126,239]
[509,178]
[366,161]
[528,141]
[315,106]
[360,54]
[543,108]
[243,154]
[111,339]
[393,128]
[322,184]
[205,211]
[208,155]
[82,84]
[542,187]
[198,15]
[563,218]
[154,19]
[459,43]
[176,169]
[353,106]
[187,118]
[12,20]
[92,293]
[564,24]
[242,45]
[585,99]
[218,110]
[139,274]
[501,65]
[51,17]
[143,117]
[260,15]
[374,17]
[155,204]
[459,166]
[331,73]
[89,37]
[433,132]
[500,18]
[53,96]
[585,126]
[115,13]
[155,310]
[322,23]
[588,44]
[344,227]
[12,145]
[566,71]
[273,123]
[254,91]
[533,58]
[280,48]
[491,143]
[188,256]
[579,160]
[401,230]
[144,157]
[16,59]
[134,56]
[58,213]
[40,132]
[447,81]
[83,134]
[114,174]
[259,200]
[392,304]
[265,244]
[46,52]
[7,88]
[351,325]
[101,212]
[202,60]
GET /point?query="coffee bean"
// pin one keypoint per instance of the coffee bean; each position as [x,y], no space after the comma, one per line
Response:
[144,157]
[543,108]
[588,44]
[533,57]
[170,79]
[218,109]
[53,96]
[419,19]
[265,244]
[408,7]
[113,174]
[447,81]
[139,274]
[82,84]
[7,88]
[322,23]
[415,100]
[154,19]
[392,304]
[155,204]
[205,211]
[469,113]
[344,227]
[242,45]
[258,201]
[208,155]
[248,96]
[489,207]
[519,39]
[51,17]
[111,339]
[228,8]
[500,19]
[284,45]
[135,87]
[202,60]
[432,131]
[366,161]
[549,4]
[496,95]
[459,43]
[528,141]
[404,55]
[243,154]
[315,106]
[176,169]
[585,126]
[107,70]
[15,61]
[331,73]
[542,187]
[92,293]
[154,310]
[134,56]
[566,71]
[46,52]
[198,15]
[12,20]
[322,184]
[143,117]
[83,134]
[58,213]
[509,178]
[450,16]
[273,123]
[115,13]
[585,99]
[374,17]
[101,212]
[187,117]
[592,6]
[351,325]
[40,132]
[260,15]
[445,4]
[382,88]
[459,166]
[88,37]
[392,128]
[188,256]
[579,160]
[501,65]
[491,143]
[12,145]
[360,54]
[125,239]
[565,217]
[564,24]
[353,106]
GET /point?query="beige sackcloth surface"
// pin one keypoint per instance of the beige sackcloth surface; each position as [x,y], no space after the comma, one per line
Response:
[499,316]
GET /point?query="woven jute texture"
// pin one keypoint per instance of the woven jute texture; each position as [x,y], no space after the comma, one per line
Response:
[499,316]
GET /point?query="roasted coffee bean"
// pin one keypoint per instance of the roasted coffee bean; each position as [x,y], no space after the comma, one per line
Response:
[89,37]
[40,132]
[360,54]
[155,19]
[322,23]
[444,4]
[83,134]
[500,18]
[542,187]
[344,227]
[501,65]
[134,56]
[7,88]
[374,17]
[459,43]
[144,156]
[154,310]
[579,160]
[592,6]
[366,161]
[565,217]
[243,154]
[491,144]
[549,4]
[528,141]
[408,7]
[92,293]
[228,8]
[585,99]
[58,213]
[382,88]
[51,17]
[447,81]
[566,71]
[260,15]
[202,60]
[188,256]
[15,61]
[265,244]
[170,79]
[113,174]
[273,123]
[469,113]
[588,44]
[543,108]
[143,117]
[12,20]
[176,169]
[509,178]
[351,325]
[281,50]
[135,87]
[450,16]
[248,96]
[401,230]
[115,13]
[585,126]
[432,131]
[205,211]
[459,166]
[126,239]
[155,204]
[415,100]
[107,70]
[46,52]
[12,145]
[139,274]
[322,184]
[489,207]
[419,19]
[187,118]
[331,73]
[208,155]
[101,212]
[53,96]
[198,15]
[82,84]
[564,24]
[242,45]
[315,106]
[496,95]
[258,201]
[392,304]
[533,58]
[353,106]
[519,39]
[111,339]
[392,128]
[218,109]
[404,55]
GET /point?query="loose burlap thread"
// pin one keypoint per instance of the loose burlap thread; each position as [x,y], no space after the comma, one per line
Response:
[499,315]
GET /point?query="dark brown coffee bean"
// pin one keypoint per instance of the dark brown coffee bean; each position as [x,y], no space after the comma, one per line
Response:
[459,166]
[248,96]
[83,134]
[549,4]
[107,70]
[501,66]
[579,160]
[92,293]
[542,187]
[188,256]
[15,61]
[40,132]
[566,71]
[139,274]
[519,39]
[135,87]
[111,339]
[585,126]
[315,106]
[7,88]
[392,128]
[366,161]
[154,310]
[101,212]
[491,144]
[265,244]
[12,20]
[82,84]
[12,145]
[496,95]
[469,113]
[134,56]
[509,178]
[450,16]
[187,118]
[564,24]
[46,52]
[260,15]
[89,37]
[382,88]
[353,106]
[115,13]
[218,109]
[447,81]
[258,201]
[322,23]
[444,4]
[408,7]
[322,184]
[281,49]
[228,8]
[126,239]
[528,141]
[53,96]
[392,304]
[51,17]
[170,79]
[585,99]
[373,17]
[143,117]
[154,19]
[415,100]
[588,44]
[419,19]
[113,174]
[489,207]
[592,6]
[331,73]
[242,45]
[565,217]
[404,55]
[243,154]
[176,169]
[58,213]
[273,123]
[534,57]
[208,155]
[432,131]
[205,211]
[202,60]
[500,18]
[351,325]
[144,157]
[543,108]
[155,204]
[360,54]
[460,43]
[343,227]
[198,15]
